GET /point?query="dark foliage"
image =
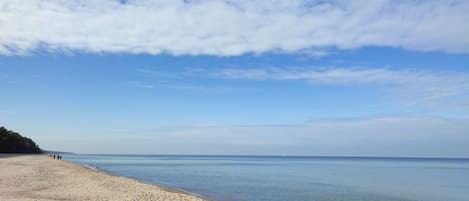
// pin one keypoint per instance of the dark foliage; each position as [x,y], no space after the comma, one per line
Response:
[12,142]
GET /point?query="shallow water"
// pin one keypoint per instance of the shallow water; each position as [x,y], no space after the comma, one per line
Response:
[269,178]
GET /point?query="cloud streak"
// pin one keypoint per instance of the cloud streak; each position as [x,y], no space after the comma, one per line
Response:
[443,88]
[230,27]
[377,136]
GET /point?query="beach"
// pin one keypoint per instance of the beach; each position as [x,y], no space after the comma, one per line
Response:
[41,178]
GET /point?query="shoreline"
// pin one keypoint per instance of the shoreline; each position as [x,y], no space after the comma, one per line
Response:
[39,177]
[163,186]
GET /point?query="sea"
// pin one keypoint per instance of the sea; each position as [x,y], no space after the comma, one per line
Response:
[294,178]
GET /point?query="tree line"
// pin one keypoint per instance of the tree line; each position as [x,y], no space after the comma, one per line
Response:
[13,142]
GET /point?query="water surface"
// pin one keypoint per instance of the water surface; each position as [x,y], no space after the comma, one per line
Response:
[271,178]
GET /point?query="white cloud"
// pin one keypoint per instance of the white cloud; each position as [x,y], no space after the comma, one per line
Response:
[413,86]
[230,27]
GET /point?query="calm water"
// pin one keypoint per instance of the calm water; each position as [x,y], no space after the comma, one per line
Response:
[261,178]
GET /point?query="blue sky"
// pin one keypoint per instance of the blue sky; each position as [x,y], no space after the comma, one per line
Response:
[296,78]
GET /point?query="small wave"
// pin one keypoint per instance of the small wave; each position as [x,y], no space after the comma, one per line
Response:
[95,168]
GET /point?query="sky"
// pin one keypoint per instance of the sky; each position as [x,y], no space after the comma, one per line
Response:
[305,77]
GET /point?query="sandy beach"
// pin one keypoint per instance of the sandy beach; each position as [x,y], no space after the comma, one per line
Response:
[40,178]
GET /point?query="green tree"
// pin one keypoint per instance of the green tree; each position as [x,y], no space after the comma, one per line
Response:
[12,142]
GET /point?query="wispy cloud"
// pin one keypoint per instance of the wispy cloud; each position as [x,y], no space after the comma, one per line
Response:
[141,84]
[155,73]
[416,136]
[442,88]
[190,87]
[410,86]
[230,27]
[206,88]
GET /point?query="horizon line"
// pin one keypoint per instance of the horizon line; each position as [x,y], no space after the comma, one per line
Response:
[267,155]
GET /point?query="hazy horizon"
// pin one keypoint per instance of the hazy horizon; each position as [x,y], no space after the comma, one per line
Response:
[253,155]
